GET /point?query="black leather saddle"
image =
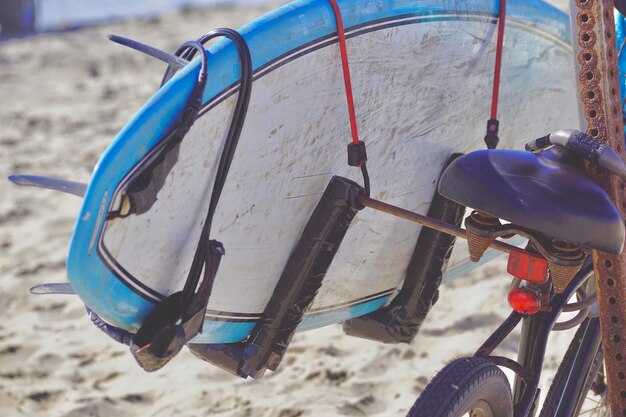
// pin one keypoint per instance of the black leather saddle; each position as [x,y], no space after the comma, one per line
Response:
[547,192]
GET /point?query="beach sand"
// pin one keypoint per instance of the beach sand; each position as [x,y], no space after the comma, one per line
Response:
[63,97]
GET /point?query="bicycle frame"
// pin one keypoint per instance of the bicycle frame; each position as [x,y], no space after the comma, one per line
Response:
[574,386]
[534,339]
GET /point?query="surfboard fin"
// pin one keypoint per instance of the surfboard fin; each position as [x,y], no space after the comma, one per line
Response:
[53,288]
[166,57]
[69,187]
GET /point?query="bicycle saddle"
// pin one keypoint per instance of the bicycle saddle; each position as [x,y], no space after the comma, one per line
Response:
[547,192]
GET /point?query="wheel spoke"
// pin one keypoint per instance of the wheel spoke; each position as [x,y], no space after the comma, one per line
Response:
[600,409]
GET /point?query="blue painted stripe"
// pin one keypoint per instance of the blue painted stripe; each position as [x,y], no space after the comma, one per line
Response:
[231,332]
[315,320]
[223,332]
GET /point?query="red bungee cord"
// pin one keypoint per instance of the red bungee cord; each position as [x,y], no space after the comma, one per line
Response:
[346,70]
[491,139]
[498,66]
[357,154]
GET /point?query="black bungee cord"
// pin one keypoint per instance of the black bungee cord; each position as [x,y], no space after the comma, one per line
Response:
[187,51]
[178,305]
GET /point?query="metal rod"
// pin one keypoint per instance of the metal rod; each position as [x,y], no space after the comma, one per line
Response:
[519,370]
[499,335]
[428,222]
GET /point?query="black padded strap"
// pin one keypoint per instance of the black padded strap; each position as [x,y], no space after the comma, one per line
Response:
[162,335]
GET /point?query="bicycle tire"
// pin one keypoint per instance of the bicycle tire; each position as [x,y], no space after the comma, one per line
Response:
[466,385]
[557,402]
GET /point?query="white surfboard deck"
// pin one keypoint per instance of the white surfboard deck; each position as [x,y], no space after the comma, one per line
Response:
[422,75]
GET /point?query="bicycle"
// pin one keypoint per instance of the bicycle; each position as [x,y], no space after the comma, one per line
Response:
[476,385]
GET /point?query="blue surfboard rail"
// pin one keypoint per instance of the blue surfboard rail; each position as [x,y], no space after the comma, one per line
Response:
[275,35]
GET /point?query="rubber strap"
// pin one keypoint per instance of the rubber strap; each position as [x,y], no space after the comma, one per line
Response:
[179,317]
[164,331]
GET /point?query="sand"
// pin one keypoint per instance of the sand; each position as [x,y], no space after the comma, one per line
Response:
[63,97]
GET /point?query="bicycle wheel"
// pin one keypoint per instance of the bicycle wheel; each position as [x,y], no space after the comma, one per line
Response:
[579,387]
[467,386]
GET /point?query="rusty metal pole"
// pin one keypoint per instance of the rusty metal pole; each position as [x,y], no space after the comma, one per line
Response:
[595,55]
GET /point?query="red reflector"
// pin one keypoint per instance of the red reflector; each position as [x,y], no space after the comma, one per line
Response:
[523,301]
[527,266]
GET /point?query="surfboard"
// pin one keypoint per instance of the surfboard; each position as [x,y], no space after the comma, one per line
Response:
[422,75]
